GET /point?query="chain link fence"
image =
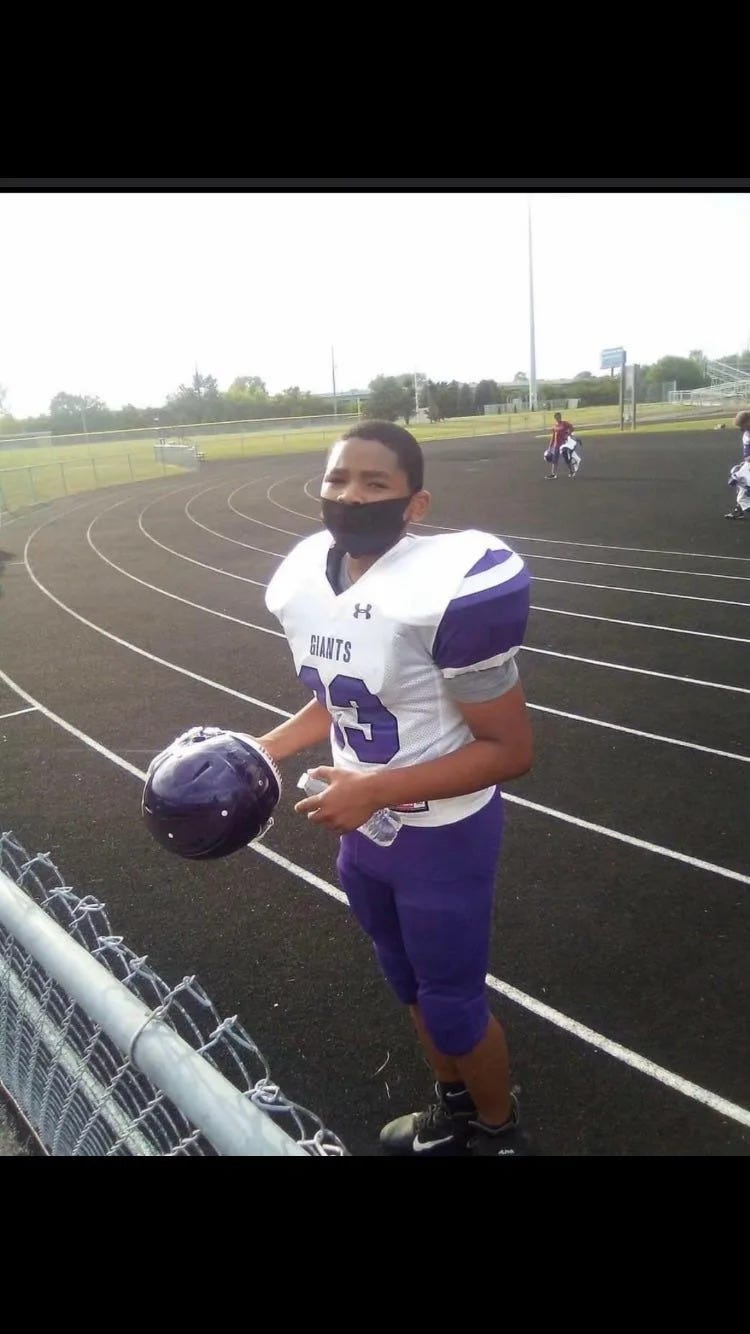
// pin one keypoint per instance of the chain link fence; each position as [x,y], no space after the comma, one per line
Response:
[102,1057]
[39,483]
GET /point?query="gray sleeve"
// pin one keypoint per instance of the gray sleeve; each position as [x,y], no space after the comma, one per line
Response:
[477,687]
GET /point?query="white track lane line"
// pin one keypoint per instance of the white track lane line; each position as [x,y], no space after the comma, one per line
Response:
[630,839]
[555,541]
[598,546]
[560,713]
[573,583]
[526,648]
[224,616]
[133,648]
[644,1066]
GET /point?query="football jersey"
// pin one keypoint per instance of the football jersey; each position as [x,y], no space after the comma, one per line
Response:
[739,476]
[377,654]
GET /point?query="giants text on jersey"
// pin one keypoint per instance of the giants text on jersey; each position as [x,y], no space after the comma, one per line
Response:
[377,655]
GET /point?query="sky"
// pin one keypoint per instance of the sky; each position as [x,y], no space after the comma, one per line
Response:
[123,295]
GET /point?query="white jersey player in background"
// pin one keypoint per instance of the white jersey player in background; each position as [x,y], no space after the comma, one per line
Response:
[408,646]
[739,475]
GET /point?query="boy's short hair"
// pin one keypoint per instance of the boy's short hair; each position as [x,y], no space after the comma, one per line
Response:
[400,441]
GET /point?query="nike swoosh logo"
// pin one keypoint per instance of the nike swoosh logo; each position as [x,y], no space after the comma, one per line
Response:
[421,1146]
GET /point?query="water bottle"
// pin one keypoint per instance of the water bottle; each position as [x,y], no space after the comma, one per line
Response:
[382,826]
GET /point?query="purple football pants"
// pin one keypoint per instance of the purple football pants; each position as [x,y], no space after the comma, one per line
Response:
[426,903]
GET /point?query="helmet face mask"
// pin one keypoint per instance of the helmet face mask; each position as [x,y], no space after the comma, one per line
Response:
[210,793]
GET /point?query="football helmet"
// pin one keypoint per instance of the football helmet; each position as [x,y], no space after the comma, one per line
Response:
[209,793]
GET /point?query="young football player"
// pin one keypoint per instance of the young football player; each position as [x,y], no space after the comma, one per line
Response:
[408,647]
[560,433]
[739,475]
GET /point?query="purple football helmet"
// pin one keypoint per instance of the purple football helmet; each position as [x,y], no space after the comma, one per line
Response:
[209,793]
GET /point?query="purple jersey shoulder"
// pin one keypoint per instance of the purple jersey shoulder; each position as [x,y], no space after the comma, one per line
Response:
[477,626]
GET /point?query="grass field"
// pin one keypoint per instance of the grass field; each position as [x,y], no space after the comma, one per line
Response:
[46,477]
[706,424]
[30,476]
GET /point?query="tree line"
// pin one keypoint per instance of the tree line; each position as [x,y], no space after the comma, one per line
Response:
[386,396]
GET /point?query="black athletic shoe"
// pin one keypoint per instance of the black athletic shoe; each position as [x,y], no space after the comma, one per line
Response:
[442,1130]
[506,1141]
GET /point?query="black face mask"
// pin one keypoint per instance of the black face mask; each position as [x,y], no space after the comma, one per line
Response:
[365,530]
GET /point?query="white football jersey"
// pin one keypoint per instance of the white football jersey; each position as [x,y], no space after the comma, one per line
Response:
[740,473]
[377,655]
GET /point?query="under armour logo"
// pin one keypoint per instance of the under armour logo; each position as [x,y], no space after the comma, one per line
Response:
[362,611]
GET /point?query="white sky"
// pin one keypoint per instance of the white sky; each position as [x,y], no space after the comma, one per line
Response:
[121,295]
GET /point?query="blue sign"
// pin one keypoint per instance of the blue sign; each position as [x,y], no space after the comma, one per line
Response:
[612,356]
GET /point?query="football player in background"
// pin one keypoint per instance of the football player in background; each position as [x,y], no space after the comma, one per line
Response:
[742,420]
[739,475]
[408,647]
[560,433]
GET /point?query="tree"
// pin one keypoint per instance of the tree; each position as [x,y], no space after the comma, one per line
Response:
[295,402]
[465,400]
[131,416]
[598,391]
[246,396]
[432,401]
[408,397]
[247,387]
[391,396]
[199,401]
[442,399]
[583,375]
[204,386]
[520,377]
[70,412]
[487,391]
[688,374]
